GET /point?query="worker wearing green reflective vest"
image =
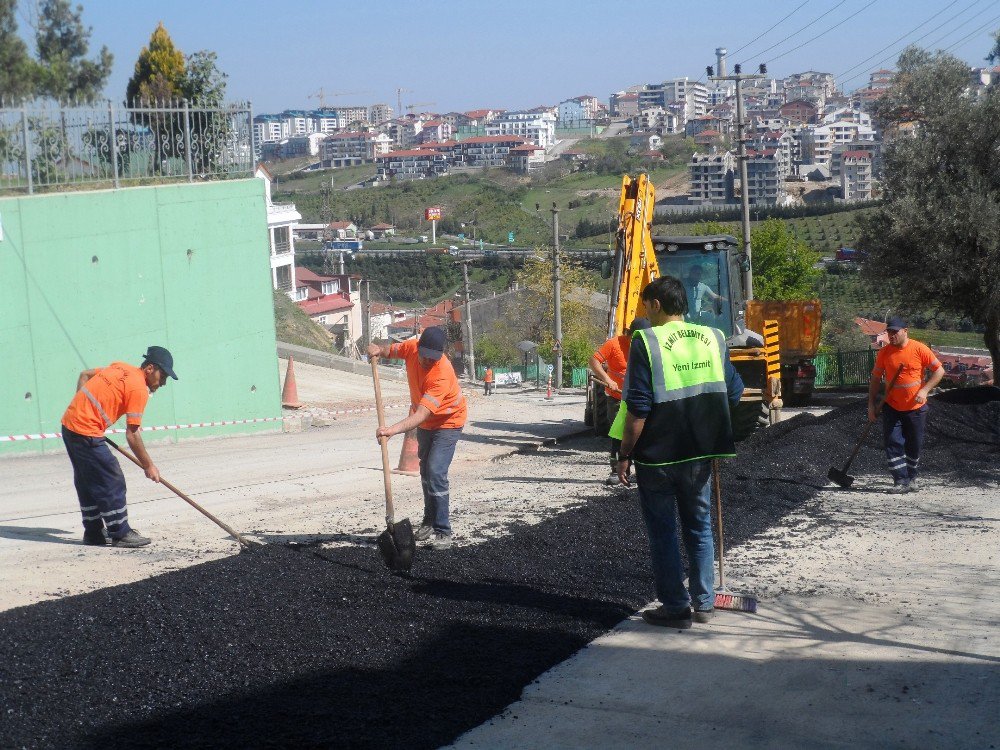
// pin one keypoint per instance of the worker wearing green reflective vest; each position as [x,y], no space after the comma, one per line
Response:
[674,418]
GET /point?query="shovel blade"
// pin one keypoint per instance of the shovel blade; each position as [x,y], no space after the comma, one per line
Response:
[842,478]
[397,545]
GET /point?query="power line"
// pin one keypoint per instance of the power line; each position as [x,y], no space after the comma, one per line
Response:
[942,38]
[735,52]
[904,36]
[823,33]
[799,31]
[969,36]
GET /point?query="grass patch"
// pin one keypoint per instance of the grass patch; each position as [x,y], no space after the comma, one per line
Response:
[293,326]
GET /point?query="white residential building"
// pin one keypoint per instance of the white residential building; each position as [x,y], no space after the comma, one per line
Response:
[354,147]
[765,181]
[537,127]
[693,95]
[281,217]
[379,113]
[856,176]
[409,164]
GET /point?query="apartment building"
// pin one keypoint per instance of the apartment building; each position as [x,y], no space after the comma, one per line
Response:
[579,109]
[379,113]
[691,95]
[656,118]
[856,176]
[411,164]
[712,178]
[281,217]
[810,86]
[799,110]
[624,104]
[354,147]
[765,181]
[290,148]
[536,127]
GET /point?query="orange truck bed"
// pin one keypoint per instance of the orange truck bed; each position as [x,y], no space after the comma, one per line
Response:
[798,325]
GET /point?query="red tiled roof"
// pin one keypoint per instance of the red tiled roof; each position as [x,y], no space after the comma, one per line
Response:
[383,226]
[870,327]
[432,123]
[303,274]
[708,134]
[325,304]
[427,153]
[627,97]
[475,114]
[527,147]
[340,224]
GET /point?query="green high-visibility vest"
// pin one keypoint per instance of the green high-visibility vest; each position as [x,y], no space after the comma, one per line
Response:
[690,415]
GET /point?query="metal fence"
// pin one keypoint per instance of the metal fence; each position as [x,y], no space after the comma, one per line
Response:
[54,147]
[845,369]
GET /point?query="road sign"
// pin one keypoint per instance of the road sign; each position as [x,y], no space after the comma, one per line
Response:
[550,369]
[510,238]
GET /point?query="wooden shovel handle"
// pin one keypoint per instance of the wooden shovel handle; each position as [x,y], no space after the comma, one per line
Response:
[384,442]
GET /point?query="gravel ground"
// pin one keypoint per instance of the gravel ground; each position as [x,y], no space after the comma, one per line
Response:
[318,645]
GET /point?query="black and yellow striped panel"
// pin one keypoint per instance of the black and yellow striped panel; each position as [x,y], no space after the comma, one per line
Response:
[772,350]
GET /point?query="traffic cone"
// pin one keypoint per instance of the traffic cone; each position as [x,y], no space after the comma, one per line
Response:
[290,394]
[409,461]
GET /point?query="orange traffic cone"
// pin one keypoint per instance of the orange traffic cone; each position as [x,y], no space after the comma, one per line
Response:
[290,394]
[409,460]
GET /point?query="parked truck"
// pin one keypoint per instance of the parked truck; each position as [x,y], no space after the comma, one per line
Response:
[799,333]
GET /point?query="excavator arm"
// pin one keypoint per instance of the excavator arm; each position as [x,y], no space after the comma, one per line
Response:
[635,262]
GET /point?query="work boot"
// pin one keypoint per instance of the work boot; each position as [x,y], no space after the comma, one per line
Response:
[899,487]
[661,617]
[703,615]
[96,537]
[441,541]
[423,533]
[612,479]
[132,539]
[914,485]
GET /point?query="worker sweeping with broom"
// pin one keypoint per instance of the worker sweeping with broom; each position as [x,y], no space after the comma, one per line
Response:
[439,418]
[674,419]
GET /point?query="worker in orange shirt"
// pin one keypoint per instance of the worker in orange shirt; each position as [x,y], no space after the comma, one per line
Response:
[439,417]
[102,397]
[488,382]
[608,365]
[904,415]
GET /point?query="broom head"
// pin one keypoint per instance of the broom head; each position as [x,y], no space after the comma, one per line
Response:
[735,602]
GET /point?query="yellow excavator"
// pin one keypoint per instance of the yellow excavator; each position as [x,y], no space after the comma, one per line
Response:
[715,267]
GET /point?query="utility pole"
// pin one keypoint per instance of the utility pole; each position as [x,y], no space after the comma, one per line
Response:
[366,314]
[738,77]
[557,296]
[470,344]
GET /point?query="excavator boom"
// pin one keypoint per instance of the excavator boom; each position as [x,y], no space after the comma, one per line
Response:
[635,261]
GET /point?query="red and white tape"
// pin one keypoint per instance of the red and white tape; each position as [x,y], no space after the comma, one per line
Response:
[160,428]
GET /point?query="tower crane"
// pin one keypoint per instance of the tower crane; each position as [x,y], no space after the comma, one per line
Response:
[322,94]
[411,107]
[399,98]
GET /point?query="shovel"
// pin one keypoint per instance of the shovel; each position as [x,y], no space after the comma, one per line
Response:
[396,544]
[840,476]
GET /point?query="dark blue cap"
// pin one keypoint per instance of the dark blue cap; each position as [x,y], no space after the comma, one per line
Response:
[432,342]
[161,358]
[639,324]
[896,323]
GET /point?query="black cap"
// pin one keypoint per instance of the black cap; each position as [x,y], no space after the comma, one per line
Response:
[432,342]
[895,323]
[639,324]
[162,358]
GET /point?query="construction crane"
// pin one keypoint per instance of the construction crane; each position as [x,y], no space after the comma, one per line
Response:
[322,94]
[411,107]
[399,98]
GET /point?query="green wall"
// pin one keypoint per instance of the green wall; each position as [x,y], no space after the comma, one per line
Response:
[92,277]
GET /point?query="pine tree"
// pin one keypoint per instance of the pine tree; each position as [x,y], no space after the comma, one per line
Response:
[159,72]
[17,70]
[64,72]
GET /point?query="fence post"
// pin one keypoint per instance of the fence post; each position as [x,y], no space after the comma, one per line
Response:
[840,368]
[27,149]
[187,140]
[113,145]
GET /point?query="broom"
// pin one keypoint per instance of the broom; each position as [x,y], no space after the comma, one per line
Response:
[725,599]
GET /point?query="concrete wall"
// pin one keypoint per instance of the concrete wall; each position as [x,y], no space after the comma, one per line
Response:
[93,277]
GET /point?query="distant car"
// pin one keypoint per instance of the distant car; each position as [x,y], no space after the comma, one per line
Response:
[452,249]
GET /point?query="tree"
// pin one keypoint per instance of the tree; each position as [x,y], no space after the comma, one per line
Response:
[64,72]
[783,265]
[17,70]
[935,241]
[159,71]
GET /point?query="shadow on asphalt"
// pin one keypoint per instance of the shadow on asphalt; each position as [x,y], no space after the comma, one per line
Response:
[39,534]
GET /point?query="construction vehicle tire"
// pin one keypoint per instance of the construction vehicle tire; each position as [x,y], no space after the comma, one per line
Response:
[748,417]
[601,422]
[588,411]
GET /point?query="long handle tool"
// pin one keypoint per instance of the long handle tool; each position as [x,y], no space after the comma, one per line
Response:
[185,498]
[396,544]
[724,598]
[840,476]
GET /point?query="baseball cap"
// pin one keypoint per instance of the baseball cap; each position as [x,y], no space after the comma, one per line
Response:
[162,358]
[432,342]
[640,324]
[895,323]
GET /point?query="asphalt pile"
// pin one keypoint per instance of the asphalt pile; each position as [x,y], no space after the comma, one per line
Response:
[309,646]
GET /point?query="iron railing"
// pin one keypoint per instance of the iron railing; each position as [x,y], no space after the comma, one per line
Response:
[844,369]
[46,147]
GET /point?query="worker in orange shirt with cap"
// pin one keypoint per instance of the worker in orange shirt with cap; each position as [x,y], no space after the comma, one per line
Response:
[608,365]
[904,413]
[103,395]
[439,417]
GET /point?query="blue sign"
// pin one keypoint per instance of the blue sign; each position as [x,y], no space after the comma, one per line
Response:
[344,245]
[510,238]
[461,235]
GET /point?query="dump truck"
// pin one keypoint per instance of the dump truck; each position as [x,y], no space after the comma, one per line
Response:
[719,263]
[799,329]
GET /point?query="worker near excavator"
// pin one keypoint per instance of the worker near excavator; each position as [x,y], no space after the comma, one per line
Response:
[700,295]
[904,413]
[608,366]
[678,391]
[103,395]
[439,416]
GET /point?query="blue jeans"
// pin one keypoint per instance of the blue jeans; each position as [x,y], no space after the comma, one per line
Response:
[435,449]
[100,484]
[903,432]
[667,491]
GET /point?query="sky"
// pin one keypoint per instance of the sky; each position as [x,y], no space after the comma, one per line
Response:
[458,56]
